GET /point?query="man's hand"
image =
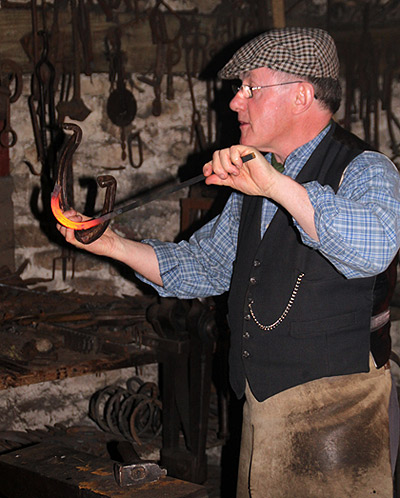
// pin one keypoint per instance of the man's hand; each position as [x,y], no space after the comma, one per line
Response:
[104,246]
[258,177]
[255,177]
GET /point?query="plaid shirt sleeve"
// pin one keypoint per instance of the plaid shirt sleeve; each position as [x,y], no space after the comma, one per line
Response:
[359,227]
[202,266]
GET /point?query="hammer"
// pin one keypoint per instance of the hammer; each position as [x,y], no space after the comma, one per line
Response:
[133,470]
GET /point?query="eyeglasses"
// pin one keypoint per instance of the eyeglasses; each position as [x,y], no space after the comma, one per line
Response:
[248,90]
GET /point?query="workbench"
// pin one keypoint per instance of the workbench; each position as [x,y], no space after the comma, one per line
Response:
[52,336]
[49,336]
[58,467]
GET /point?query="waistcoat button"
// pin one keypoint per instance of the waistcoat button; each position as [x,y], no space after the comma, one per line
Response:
[253,280]
[245,354]
[246,335]
[256,262]
[247,317]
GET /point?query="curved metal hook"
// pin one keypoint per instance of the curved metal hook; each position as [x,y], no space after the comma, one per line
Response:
[131,138]
[10,71]
[90,230]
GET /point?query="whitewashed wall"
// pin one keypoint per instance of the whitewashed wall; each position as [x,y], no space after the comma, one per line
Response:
[167,145]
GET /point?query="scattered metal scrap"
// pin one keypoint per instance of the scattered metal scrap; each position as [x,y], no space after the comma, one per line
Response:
[47,335]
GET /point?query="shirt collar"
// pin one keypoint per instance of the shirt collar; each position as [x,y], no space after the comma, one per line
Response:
[297,159]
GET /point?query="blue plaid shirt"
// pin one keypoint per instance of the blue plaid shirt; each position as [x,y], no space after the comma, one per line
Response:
[358,228]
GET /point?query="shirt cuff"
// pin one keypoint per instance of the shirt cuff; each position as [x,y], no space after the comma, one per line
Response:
[168,264]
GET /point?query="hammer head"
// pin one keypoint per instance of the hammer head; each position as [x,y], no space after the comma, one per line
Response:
[137,473]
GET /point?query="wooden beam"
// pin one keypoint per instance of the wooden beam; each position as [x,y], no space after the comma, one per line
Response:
[137,44]
[136,38]
[278,13]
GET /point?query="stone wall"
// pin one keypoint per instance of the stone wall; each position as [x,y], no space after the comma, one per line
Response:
[166,147]
[63,401]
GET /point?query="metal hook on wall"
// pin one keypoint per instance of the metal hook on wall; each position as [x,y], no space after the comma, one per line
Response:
[132,136]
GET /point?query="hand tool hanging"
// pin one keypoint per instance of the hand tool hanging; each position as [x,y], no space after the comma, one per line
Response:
[48,136]
[85,35]
[10,76]
[43,117]
[167,52]
[90,230]
[41,100]
[121,103]
[194,44]
[34,97]
[74,108]
[131,137]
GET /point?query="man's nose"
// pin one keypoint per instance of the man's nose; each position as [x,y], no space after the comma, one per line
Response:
[238,102]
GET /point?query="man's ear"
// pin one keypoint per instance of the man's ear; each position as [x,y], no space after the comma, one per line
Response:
[304,97]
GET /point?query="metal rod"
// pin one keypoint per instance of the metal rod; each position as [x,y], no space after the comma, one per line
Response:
[157,194]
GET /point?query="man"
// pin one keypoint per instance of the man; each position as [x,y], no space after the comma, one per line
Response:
[299,252]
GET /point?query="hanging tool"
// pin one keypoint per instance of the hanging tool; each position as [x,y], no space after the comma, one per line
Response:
[8,137]
[10,73]
[121,103]
[85,35]
[74,108]
[132,136]
[44,116]
[167,52]
[194,45]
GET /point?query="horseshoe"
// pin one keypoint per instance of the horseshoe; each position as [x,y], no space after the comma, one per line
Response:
[89,230]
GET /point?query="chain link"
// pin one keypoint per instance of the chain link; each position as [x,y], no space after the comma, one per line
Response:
[285,312]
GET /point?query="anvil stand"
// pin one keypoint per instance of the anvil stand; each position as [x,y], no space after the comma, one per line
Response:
[186,384]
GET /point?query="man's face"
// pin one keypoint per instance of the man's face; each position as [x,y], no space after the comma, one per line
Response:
[264,118]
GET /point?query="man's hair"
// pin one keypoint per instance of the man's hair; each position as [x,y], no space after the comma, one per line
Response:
[327,91]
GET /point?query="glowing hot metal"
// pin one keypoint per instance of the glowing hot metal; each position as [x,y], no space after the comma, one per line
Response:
[63,220]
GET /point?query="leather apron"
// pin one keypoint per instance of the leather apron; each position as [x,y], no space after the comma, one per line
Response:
[325,438]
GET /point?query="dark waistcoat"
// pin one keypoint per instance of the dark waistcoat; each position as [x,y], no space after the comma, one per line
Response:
[312,321]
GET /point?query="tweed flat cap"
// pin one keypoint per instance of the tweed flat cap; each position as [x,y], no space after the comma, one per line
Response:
[294,50]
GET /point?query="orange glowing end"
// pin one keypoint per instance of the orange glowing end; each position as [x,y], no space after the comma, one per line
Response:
[63,220]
